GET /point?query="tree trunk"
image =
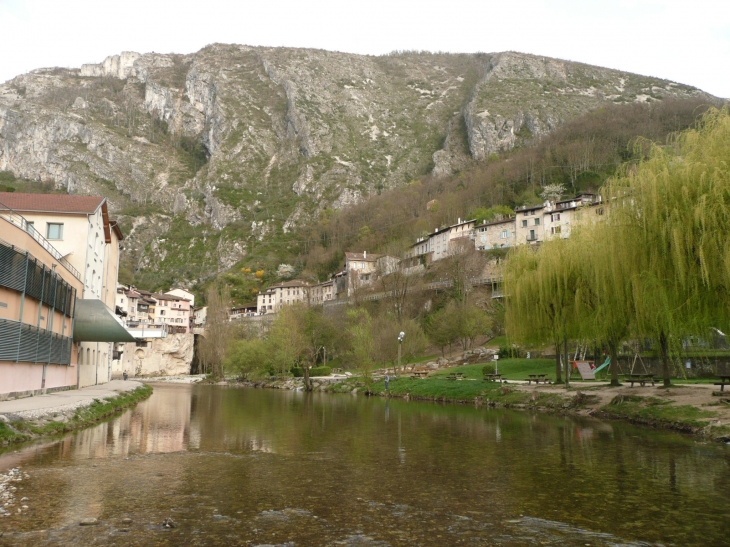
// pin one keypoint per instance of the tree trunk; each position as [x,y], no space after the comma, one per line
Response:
[558,368]
[664,350]
[307,380]
[613,354]
[567,363]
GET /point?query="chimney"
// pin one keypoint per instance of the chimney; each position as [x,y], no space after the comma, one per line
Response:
[365,255]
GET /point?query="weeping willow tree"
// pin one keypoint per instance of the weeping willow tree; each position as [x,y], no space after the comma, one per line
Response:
[666,238]
[603,299]
[543,290]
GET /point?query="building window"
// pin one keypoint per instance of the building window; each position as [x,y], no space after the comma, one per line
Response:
[599,211]
[30,227]
[504,234]
[524,223]
[537,222]
[555,217]
[556,229]
[54,231]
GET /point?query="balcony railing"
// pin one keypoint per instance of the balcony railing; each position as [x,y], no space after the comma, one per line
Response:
[531,237]
[19,220]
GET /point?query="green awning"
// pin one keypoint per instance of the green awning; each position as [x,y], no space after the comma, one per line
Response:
[94,322]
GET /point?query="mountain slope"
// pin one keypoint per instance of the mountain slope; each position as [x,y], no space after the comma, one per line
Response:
[206,156]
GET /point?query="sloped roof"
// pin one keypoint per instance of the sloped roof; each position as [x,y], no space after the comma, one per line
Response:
[51,203]
[293,283]
[361,256]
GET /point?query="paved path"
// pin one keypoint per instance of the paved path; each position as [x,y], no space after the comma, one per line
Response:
[62,401]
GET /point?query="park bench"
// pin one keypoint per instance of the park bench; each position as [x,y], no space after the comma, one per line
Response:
[642,379]
[724,379]
[455,376]
[419,374]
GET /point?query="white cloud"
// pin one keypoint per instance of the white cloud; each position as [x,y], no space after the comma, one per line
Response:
[689,43]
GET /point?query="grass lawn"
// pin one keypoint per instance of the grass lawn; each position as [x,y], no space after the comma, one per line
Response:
[512,369]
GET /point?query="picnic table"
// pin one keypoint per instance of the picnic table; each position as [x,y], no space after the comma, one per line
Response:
[537,378]
[724,379]
[455,376]
[493,377]
[641,378]
[419,373]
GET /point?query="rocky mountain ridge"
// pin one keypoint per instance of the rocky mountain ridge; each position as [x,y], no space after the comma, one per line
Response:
[209,155]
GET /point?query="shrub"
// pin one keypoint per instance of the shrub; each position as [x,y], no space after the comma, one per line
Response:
[489,368]
[510,352]
[297,372]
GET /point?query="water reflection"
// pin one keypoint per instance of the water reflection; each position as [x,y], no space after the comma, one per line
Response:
[270,467]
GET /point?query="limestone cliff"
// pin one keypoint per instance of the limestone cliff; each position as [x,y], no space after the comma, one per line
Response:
[205,155]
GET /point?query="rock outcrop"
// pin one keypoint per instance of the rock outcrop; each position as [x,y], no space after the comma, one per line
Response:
[169,356]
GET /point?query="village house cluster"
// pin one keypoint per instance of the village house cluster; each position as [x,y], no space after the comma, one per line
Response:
[530,225]
[144,309]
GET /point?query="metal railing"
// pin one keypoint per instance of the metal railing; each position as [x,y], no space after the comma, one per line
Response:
[19,220]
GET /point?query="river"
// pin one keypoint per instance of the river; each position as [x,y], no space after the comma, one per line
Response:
[233,466]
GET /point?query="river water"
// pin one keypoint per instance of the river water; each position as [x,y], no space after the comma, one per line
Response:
[235,466]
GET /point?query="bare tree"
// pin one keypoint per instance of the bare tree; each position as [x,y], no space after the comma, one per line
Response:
[214,344]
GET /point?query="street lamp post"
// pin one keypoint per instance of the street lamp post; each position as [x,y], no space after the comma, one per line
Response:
[401,336]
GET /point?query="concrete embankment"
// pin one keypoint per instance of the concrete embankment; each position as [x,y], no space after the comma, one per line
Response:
[59,412]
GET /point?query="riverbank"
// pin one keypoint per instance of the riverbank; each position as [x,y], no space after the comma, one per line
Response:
[34,417]
[698,409]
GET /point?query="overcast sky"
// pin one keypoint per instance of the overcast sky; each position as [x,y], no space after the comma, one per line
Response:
[688,42]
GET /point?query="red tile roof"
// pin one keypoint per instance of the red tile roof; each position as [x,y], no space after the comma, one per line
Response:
[50,203]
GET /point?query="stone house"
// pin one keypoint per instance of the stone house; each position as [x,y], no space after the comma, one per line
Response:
[495,234]
[529,224]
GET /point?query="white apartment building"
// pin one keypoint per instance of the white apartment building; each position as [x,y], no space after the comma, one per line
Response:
[290,292]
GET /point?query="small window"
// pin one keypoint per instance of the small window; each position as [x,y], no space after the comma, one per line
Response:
[537,222]
[524,223]
[30,227]
[555,217]
[55,231]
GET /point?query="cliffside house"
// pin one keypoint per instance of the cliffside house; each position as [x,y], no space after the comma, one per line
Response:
[249,310]
[58,277]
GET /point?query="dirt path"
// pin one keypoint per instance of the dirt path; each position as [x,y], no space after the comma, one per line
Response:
[697,395]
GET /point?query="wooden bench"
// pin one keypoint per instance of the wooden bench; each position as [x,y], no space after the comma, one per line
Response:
[492,377]
[419,374]
[642,379]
